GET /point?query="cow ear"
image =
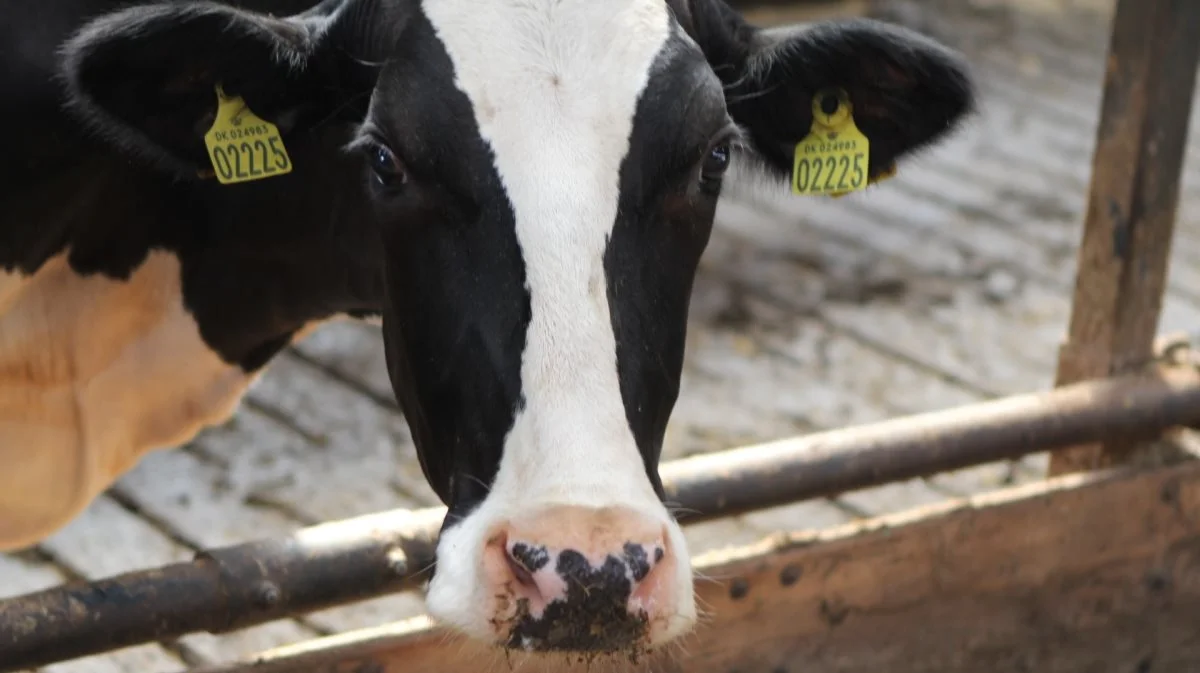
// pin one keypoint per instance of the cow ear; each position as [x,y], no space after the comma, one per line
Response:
[145,77]
[905,90]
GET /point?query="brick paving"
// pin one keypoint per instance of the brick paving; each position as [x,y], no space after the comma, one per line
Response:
[947,285]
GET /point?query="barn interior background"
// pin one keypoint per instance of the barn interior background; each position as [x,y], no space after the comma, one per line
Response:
[947,285]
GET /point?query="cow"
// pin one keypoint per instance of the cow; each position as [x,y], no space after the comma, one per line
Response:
[519,191]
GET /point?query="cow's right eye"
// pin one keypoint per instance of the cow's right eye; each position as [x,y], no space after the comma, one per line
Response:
[386,167]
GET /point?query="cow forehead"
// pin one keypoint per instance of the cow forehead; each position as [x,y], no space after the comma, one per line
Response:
[509,50]
[553,84]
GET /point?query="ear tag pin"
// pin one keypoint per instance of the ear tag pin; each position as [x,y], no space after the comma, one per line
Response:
[242,146]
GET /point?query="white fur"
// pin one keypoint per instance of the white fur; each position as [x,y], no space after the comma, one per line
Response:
[554,85]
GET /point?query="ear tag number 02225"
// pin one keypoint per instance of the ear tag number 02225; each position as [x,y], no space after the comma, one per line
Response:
[242,146]
[833,158]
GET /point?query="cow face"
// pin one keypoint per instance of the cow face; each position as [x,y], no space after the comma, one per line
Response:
[542,177]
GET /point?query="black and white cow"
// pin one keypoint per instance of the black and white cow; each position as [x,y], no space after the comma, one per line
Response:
[521,189]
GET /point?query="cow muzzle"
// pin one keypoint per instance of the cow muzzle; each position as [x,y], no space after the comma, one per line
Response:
[577,579]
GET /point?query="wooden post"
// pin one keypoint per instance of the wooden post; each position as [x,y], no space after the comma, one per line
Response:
[1136,167]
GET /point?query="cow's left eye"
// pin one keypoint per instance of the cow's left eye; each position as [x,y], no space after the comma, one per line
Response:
[386,168]
[715,164]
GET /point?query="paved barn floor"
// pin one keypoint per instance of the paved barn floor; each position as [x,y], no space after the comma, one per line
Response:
[947,285]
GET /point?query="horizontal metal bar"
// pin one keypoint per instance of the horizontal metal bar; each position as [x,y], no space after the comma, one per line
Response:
[756,477]
[346,561]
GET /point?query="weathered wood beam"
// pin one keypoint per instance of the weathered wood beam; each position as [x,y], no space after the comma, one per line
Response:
[1123,258]
[993,584]
[345,561]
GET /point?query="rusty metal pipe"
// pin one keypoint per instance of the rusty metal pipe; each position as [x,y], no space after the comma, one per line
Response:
[221,589]
[344,561]
[756,477]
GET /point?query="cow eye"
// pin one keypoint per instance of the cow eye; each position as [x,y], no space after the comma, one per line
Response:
[385,167]
[715,164]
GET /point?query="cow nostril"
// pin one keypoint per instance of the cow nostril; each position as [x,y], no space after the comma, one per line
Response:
[522,574]
[524,560]
[641,559]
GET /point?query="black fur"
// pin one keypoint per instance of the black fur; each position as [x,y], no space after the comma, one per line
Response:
[663,224]
[301,72]
[906,90]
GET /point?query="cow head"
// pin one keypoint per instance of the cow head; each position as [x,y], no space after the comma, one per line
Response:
[542,177]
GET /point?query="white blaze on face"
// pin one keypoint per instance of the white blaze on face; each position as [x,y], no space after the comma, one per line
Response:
[554,85]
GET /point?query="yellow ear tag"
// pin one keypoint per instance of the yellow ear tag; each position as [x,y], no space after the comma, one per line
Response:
[833,158]
[242,146]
